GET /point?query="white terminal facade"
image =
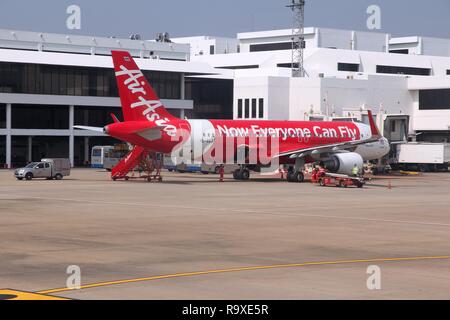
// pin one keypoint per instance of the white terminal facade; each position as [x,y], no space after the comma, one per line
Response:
[405,81]
[51,82]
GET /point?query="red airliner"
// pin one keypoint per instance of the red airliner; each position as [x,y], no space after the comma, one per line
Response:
[149,126]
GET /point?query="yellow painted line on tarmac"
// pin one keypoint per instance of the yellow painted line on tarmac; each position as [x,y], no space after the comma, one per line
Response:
[240,269]
[8,294]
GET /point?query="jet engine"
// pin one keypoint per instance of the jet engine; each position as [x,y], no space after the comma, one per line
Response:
[343,163]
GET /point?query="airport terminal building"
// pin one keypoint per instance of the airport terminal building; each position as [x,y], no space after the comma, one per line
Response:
[405,81]
[51,82]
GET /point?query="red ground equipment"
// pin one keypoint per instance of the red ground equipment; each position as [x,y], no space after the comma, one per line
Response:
[324,178]
[148,163]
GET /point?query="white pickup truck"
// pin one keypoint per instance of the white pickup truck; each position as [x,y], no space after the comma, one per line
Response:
[46,168]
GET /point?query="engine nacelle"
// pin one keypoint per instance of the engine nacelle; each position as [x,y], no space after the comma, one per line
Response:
[343,163]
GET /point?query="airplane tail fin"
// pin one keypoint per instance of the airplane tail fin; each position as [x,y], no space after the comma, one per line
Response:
[373,126]
[139,100]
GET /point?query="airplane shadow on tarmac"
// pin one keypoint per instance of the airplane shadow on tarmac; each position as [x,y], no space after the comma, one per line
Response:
[189,181]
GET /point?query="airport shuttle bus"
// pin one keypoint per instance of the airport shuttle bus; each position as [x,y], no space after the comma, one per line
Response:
[98,156]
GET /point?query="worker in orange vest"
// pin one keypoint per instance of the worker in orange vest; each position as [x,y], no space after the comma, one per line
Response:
[221,172]
[314,173]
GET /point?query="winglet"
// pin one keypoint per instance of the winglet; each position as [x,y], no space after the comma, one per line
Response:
[373,126]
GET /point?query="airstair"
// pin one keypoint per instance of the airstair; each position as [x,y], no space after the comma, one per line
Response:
[139,163]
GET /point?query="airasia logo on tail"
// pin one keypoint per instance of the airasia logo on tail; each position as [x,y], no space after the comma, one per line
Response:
[135,83]
[132,82]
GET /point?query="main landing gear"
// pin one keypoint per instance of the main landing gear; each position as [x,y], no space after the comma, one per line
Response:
[295,176]
[241,174]
[295,173]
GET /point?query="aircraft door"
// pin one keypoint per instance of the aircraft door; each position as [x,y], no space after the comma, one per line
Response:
[186,137]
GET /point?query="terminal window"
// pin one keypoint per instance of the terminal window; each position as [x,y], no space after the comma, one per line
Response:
[435,99]
[287,65]
[213,98]
[448,72]
[77,81]
[352,67]
[95,116]
[254,109]
[250,66]
[403,70]
[400,51]
[261,108]
[2,116]
[247,109]
[25,117]
[2,150]
[271,46]
[239,110]
[167,85]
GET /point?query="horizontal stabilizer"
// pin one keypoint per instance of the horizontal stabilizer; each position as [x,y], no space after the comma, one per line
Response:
[113,116]
[95,129]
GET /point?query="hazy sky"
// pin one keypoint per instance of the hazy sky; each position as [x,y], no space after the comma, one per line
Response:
[221,18]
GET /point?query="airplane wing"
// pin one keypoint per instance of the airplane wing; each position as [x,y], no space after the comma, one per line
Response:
[95,129]
[335,147]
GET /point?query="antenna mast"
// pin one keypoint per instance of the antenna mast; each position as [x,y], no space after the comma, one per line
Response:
[298,38]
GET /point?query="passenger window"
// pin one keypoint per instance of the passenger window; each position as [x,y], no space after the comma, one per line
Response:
[40,166]
[47,165]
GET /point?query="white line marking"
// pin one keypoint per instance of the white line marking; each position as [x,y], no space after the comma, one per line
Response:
[251,211]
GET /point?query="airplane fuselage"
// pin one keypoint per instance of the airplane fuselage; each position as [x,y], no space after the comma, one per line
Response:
[258,136]
[253,144]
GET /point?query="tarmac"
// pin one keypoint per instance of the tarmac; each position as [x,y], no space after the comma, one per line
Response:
[192,237]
